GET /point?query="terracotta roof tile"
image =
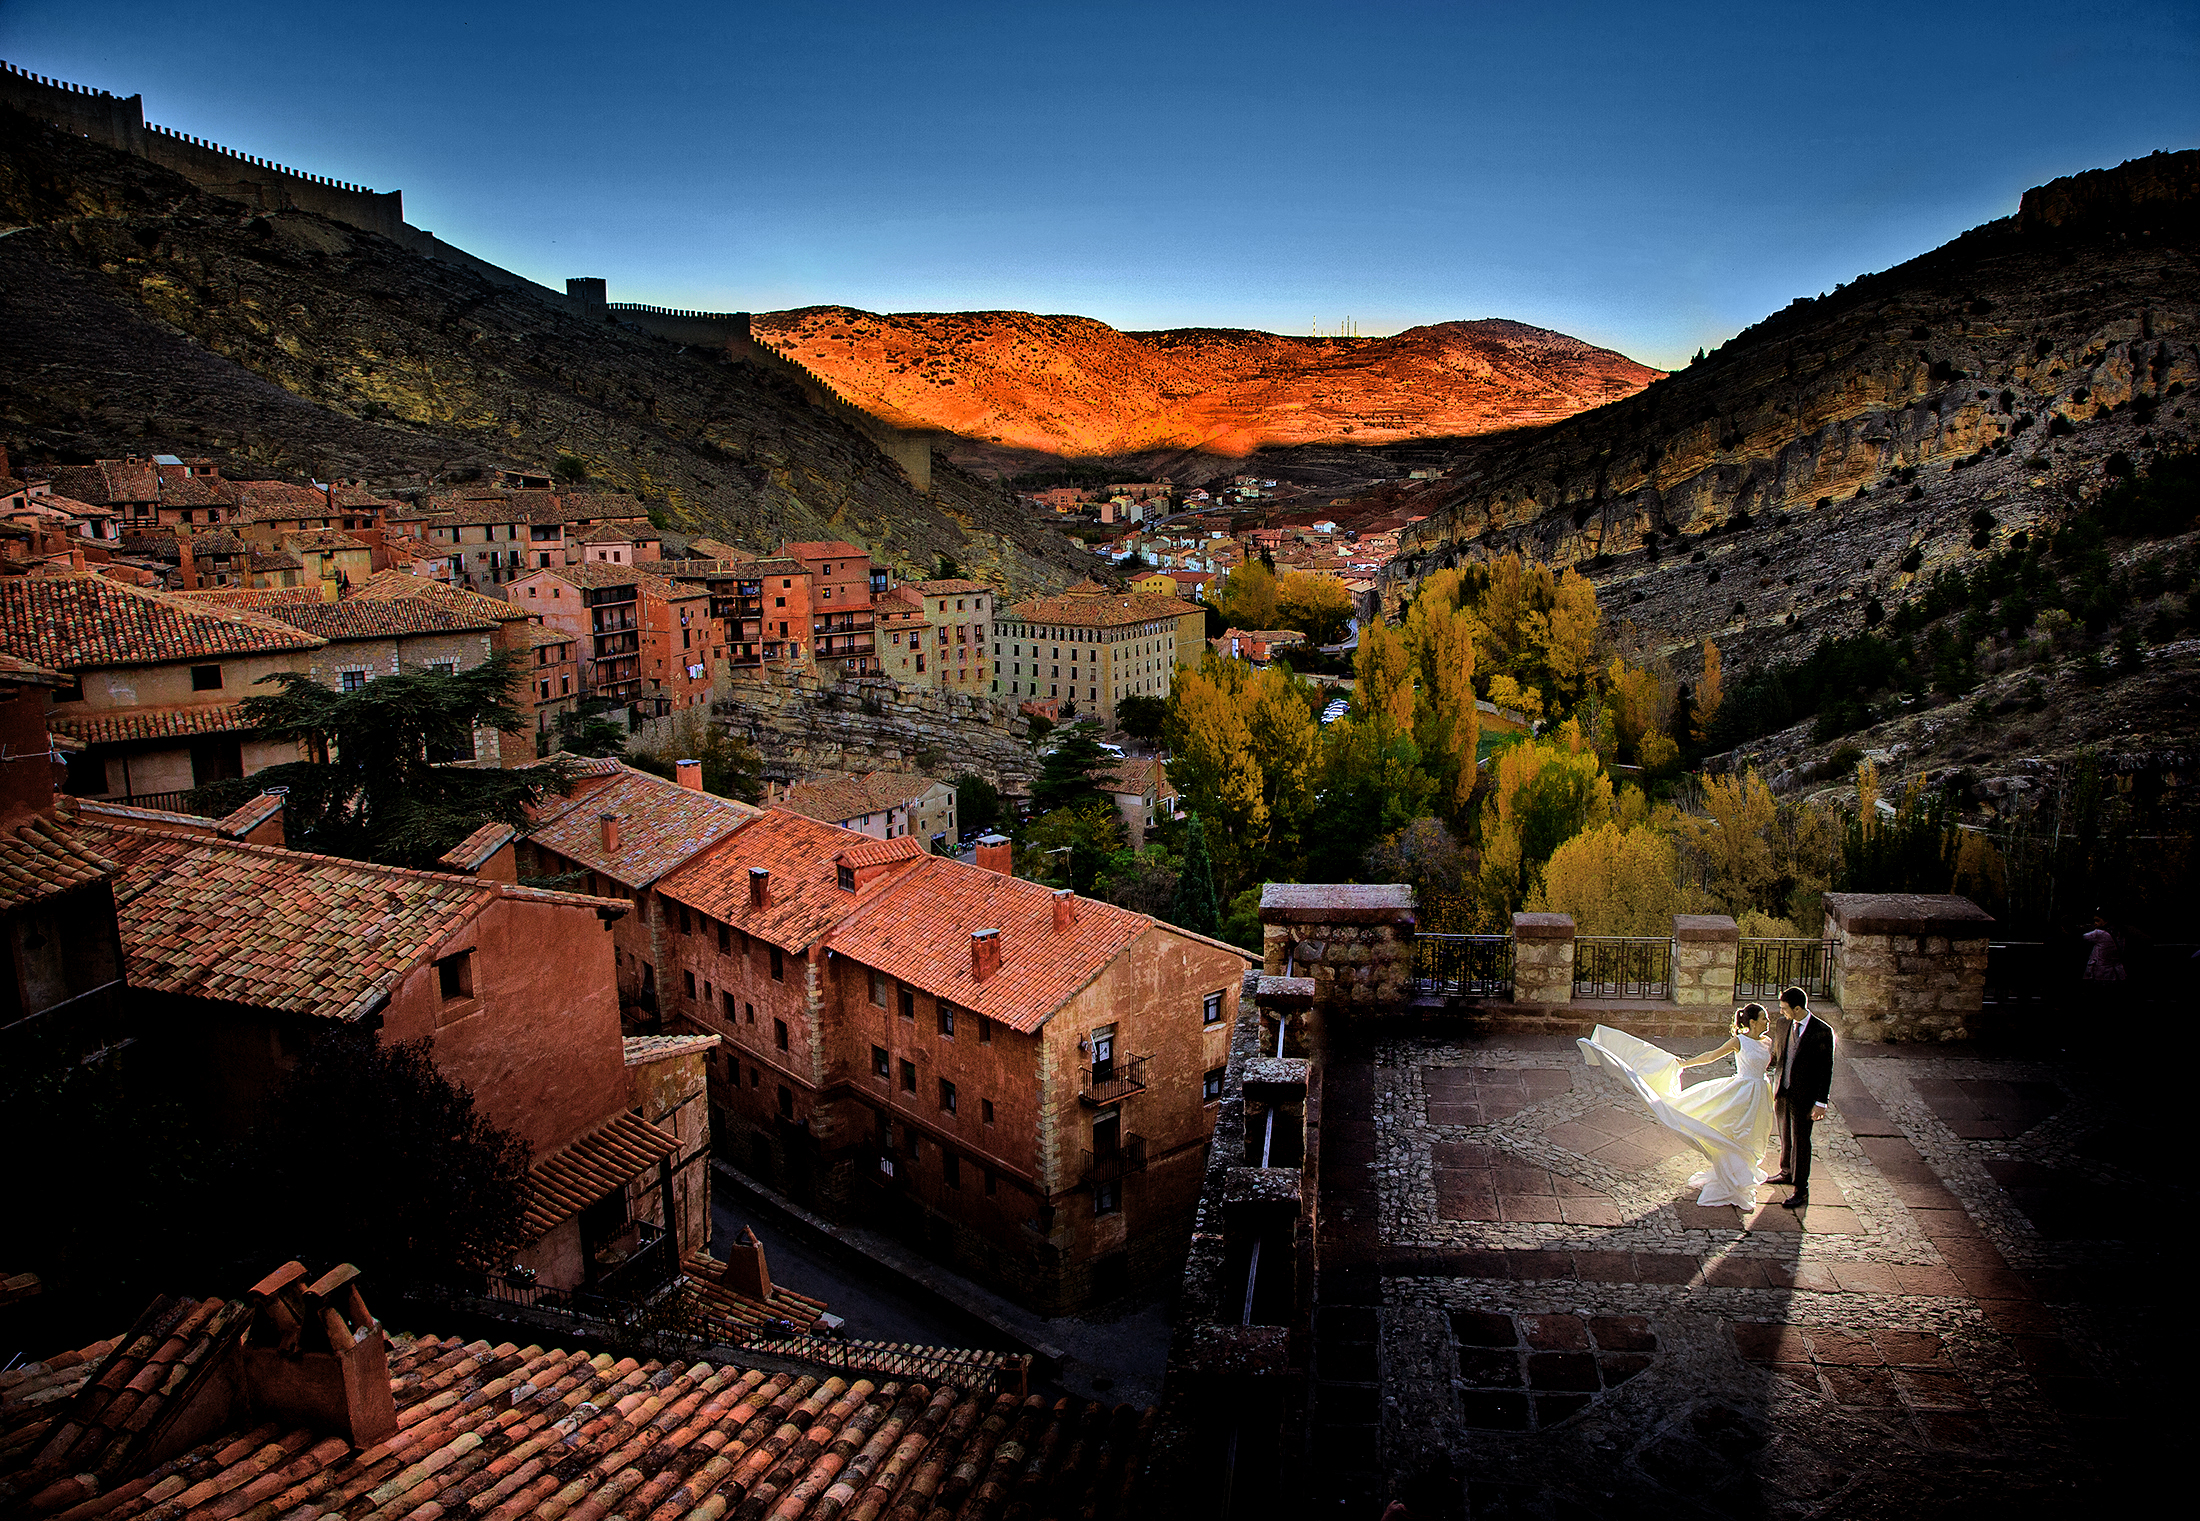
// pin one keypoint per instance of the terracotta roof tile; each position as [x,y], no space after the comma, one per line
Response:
[661,824]
[610,533]
[642,1049]
[39,860]
[1112,611]
[380,618]
[72,622]
[322,539]
[109,481]
[824,549]
[25,673]
[125,724]
[919,931]
[950,588]
[838,798]
[804,898]
[561,1185]
[398,584]
[880,852]
[541,635]
[471,853]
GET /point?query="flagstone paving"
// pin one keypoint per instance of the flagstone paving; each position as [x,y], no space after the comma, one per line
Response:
[1522,1310]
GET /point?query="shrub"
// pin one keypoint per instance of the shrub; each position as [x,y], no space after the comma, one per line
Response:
[1914,559]
[2059,426]
[2163,500]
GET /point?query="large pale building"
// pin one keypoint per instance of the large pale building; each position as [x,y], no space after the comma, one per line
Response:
[1091,652]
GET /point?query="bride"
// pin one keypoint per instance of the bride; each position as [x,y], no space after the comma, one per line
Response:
[1728,1120]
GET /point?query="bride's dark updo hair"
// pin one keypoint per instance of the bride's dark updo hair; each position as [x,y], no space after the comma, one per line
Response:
[1749,1015]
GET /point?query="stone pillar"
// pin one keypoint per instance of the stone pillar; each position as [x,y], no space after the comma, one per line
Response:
[1356,943]
[1907,966]
[1705,949]
[1543,958]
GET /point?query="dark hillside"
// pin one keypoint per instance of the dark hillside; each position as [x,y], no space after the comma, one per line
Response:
[140,314]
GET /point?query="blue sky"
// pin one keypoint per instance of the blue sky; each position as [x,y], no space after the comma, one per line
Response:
[1649,177]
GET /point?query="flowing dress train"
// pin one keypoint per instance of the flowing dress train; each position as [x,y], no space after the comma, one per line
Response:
[1729,1119]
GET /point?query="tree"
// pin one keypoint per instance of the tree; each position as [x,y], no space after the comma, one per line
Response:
[1071,846]
[1317,606]
[1710,691]
[1248,596]
[1215,769]
[1446,726]
[731,767]
[1383,685]
[1280,725]
[585,731]
[438,1191]
[1142,881]
[1066,775]
[947,570]
[570,469]
[1140,716]
[1613,881]
[1426,857]
[1194,906]
[1543,792]
[377,786]
[977,803]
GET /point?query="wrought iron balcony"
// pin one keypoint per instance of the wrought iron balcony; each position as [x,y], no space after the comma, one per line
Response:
[1114,1166]
[1107,1082]
[650,1262]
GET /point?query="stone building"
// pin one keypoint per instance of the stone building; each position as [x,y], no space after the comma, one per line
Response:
[1094,650]
[600,606]
[937,634]
[844,584]
[678,634]
[762,608]
[492,536]
[553,676]
[882,804]
[1014,1075]
[1142,794]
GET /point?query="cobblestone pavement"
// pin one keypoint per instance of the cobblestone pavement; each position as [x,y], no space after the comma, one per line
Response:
[1523,1312]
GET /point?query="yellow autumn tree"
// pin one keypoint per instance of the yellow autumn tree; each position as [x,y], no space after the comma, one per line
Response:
[1286,750]
[1317,606]
[1543,792]
[1440,637]
[1383,684]
[1569,642]
[1641,705]
[1214,768]
[1751,852]
[1614,881]
[1248,596]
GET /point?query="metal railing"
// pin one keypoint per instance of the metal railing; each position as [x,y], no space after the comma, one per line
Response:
[1623,966]
[1114,1166]
[1463,966]
[1766,967]
[162,802]
[652,1264]
[1105,1082]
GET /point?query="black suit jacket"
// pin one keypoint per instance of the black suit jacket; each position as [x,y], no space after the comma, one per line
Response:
[1811,1078]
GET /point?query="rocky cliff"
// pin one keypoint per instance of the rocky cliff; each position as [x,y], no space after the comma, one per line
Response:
[1010,385]
[803,726]
[139,314]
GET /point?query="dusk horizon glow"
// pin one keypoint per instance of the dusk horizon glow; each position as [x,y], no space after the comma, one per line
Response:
[1647,179]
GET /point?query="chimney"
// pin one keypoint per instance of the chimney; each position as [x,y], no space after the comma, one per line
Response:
[315,1357]
[1065,909]
[994,854]
[985,953]
[745,1271]
[609,823]
[690,774]
[760,887]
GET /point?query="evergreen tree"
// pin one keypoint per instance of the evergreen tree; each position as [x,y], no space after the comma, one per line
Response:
[1194,906]
[1065,777]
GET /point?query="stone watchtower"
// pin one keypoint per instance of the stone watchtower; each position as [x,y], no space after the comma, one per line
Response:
[591,296]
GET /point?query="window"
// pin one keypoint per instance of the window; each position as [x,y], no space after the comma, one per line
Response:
[1212,1013]
[1210,1086]
[908,1004]
[756,1077]
[879,1066]
[985,1031]
[1107,1198]
[779,1033]
[686,927]
[725,940]
[947,1095]
[749,1009]
[206,678]
[786,1102]
[951,1169]
[352,681]
[844,877]
[688,981]
[908,1076]
[947,1019]
[726,1004]
[455,974]
[779,966]
[991,1182]
[985,1110]
[878,990]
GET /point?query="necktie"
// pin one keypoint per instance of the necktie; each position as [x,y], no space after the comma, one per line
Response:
[1795,1038]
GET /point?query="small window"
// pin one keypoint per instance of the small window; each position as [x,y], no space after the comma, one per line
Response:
[985,1110]
[725,940]
[844,877]
[749,1009]
[779,1033]
[908,1076]
[786,1102]
[779,966]
[686,927]
[756,1077]
[947,1019]
[1107,1198]
[879,1064]
[1212,1013]
[947,1095]
[1210,1086]
[951,1169]
[688,980]
[908,1004]
[352,681]
[985,1031]
[726,1004]
[206,678]
[455,974]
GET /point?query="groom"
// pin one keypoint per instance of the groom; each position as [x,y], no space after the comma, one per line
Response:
[1806,1077]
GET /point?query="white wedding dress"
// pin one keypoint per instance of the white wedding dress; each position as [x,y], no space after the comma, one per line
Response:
[1729,1120]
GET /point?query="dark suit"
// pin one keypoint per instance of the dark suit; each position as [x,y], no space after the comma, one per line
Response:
[1806,1077]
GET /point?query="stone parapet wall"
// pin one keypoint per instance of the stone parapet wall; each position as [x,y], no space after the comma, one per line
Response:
[1354,942]
[1908,966]
[1543,958]
[1705,950]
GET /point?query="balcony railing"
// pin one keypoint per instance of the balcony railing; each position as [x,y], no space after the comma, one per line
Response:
[1114,1166]
[651,1263]
[1623,966]
[1764,968]
[1463,966]
[1106,1082]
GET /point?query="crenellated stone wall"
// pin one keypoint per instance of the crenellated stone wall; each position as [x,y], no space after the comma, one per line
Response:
[1355,942]
[1908,966]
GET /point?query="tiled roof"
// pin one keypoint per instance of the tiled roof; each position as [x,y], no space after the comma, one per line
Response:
[71,622]
[824,549]
[507,1431]
[1139,774]
[380,618]
[25,673]
[125,724]
[471,853]
[396,583]
[1110,611]
[804,898]
[39,860]
[776,566]
[607,533]
[322,539]
[301,499]
[561,1185]
[277,559]
[97,809]
[715,549]
[197,491]
[540,635]
[737,1314]
[900,601]
[879,852]
[109,481]
[951,588]
[254,599]
[644,1049]
[280,929]
[835,799]
[919,931]
[661,824]
[596,573]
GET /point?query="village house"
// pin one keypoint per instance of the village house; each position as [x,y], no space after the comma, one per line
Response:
[614,836]
[156,682]
[936,635]
[1091,651]
[843,584]
[492,536]
[600,606]
[1258,645]
[882,804]
[1142,794]
[553,675]
[762,608]
[1018,1074]
[677,637]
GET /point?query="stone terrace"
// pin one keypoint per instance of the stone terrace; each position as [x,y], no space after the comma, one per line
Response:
[1520,1310]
